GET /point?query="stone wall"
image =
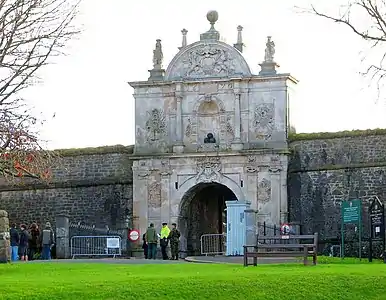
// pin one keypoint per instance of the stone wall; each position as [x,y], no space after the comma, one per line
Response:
[93,186]
[327,169]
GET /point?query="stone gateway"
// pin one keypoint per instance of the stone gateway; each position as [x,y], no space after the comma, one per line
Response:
[209,131]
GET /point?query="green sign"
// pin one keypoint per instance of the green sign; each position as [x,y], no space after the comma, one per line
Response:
[352,214]
[351,211]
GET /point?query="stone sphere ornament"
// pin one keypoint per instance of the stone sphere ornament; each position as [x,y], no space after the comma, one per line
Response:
[212,16]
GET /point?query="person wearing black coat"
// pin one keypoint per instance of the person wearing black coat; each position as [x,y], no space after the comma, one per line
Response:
[14,239]
[24,238]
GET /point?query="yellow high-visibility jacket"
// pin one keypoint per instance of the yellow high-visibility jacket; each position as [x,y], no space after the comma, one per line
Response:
[165,232]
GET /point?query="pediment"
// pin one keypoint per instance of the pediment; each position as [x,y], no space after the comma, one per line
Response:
[207,59]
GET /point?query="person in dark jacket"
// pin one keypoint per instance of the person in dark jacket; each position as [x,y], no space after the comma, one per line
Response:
[14,239]
[151,239]
[145,246]
[47,240]
[34,242]
[24,238]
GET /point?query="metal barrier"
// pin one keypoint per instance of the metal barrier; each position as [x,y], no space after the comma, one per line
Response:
[212,244]
[96,246]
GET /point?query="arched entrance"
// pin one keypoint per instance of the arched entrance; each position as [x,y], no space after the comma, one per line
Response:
[202,211]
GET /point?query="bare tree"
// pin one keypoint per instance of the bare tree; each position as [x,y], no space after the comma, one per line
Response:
[31,33]
[366,19]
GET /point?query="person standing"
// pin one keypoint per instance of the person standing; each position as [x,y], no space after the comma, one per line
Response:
[33,244]
[23,246]
[151,239]
[164,236]
[145,246]
[174,237]
[14,239]
[47,239]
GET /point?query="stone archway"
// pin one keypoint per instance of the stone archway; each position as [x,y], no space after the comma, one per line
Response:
[202,211]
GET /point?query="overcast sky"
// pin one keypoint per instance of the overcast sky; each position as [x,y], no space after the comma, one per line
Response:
[88,90]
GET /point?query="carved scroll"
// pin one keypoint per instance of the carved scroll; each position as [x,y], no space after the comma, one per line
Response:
[154,195]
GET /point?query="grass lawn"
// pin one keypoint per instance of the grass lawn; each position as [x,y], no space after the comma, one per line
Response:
[348,280]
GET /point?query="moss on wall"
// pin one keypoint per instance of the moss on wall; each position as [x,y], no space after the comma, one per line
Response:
[334,135]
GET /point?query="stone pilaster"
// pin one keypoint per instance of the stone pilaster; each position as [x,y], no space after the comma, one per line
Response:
[140,201]
[5,255]
[165,197]
[179,145]
[284,196]
[237,144]
[276,189]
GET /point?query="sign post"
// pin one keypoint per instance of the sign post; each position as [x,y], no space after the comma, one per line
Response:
[352,214]
[377,225]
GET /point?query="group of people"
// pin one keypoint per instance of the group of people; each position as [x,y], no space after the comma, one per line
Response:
[166,236]
[26,244]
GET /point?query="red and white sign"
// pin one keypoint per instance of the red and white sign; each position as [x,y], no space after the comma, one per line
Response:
[134,235]
[285,229]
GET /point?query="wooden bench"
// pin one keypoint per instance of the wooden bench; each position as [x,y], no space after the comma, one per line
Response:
[283,246]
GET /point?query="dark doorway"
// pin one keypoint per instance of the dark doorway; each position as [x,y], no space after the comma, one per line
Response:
[203,212]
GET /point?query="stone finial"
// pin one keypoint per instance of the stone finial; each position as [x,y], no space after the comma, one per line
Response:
[268,66]
[212,33]
[157,73]
[239,45]
[184,40]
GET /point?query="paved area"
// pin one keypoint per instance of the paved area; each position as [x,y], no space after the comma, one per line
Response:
[193,259]
[122,261]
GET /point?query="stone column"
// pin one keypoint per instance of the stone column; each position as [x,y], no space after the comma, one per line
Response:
[62,236]
[275,194]
[179,145]
[237,144]
[5,253]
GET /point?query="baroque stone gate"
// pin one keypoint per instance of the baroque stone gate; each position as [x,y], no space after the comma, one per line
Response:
[209,131]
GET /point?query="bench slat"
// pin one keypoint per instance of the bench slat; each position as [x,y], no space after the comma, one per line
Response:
[265,246]
[280,237]
[279,254]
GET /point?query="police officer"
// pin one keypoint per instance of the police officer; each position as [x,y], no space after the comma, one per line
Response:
[174,237]
[164,240]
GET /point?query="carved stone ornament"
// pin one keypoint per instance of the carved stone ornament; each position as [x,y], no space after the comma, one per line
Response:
[251,166]
[188,129]
[156,125]
[208,61]
[208,169]
[264,121]
[264,190]
[154,195]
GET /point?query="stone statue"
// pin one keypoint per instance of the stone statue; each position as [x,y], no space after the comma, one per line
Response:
[157,55]
[269,50]
[210,139]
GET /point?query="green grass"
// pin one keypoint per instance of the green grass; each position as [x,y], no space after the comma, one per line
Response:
[192,281]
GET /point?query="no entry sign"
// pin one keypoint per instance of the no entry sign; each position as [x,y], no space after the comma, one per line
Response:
[134,235]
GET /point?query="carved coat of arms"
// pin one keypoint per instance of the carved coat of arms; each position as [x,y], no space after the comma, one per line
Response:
[209,61]
[208,170]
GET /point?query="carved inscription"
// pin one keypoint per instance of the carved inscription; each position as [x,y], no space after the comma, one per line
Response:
[154,195]
[208,169]
[225,86]
[207,61]
[264,121]
[156,125]
[264,190]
